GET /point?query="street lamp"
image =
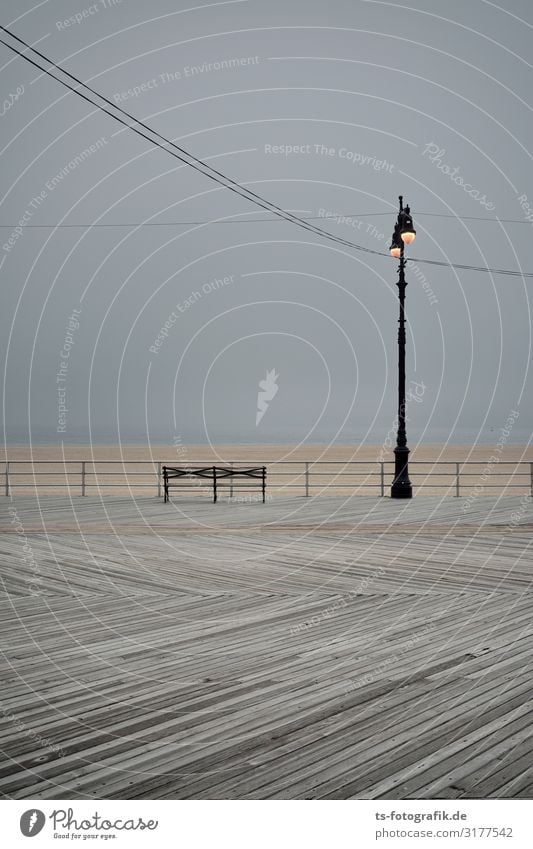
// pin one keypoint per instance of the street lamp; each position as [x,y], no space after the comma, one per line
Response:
[404,234]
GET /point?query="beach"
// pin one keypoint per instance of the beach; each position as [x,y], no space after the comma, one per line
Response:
[321,469]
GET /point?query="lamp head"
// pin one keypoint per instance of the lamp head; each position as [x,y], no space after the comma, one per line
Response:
[406,227]
[396,245]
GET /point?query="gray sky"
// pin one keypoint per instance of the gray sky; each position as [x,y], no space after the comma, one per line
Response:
[331,109]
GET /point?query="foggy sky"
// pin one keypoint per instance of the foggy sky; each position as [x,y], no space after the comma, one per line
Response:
[163,332]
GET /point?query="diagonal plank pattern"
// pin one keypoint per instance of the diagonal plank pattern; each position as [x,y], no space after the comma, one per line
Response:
[321,648]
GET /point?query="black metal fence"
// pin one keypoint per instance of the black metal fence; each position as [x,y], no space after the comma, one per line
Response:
[461,478]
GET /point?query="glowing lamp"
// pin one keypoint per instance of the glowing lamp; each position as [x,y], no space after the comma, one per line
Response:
[407,230]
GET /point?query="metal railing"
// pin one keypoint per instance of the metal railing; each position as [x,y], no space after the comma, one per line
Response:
[467,478]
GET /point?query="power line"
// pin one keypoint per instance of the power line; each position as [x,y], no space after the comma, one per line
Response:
[212,173]
[436,215]
[182,155]
[152,223]
[333,218]
[469,218]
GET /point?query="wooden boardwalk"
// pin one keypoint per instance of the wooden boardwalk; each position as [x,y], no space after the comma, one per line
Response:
[306,648]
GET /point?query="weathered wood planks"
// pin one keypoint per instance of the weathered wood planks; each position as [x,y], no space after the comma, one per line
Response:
[317,648]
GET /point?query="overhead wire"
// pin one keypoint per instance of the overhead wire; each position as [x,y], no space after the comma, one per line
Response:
[211,221]
[219,177]
[182,155]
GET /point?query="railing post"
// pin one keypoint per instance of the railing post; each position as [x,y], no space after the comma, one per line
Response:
[214,484]
[83,477]
[231,481]
[307,480]
[457,479]
[7,478]
[531,476]
[159,479]
[382,464]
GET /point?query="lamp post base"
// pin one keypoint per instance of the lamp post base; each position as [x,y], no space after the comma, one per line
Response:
[401,485]
[399,489]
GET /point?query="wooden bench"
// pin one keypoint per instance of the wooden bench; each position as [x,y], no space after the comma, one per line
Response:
[212,473]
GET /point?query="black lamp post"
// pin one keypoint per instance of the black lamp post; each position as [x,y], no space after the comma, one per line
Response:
[404,234]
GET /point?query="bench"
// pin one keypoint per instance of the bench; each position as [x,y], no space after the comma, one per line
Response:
[174,477]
